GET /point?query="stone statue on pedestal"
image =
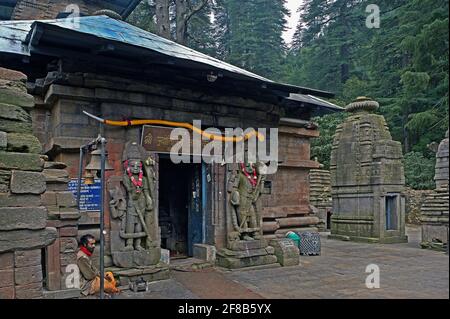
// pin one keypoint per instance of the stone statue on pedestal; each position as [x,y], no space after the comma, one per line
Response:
[247,183]
[245,245]
[133,203]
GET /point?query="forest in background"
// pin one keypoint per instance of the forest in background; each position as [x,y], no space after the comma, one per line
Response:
[403,64]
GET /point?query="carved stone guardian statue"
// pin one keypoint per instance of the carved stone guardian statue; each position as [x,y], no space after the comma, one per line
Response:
[136,239]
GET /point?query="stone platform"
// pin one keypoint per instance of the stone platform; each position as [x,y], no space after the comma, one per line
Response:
[148,273]
[246,253]
[135,258]
[387,240]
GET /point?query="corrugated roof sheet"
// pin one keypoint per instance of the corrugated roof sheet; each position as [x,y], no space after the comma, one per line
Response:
[123,7]
[13,34]
[314,100]
[13,39]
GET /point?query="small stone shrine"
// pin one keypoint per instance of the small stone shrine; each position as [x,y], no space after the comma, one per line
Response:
[434,210]
[367,178]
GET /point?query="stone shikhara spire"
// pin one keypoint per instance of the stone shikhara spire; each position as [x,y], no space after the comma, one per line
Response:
[367,178]
[435,208]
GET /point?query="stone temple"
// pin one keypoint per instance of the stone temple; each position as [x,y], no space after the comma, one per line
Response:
[434,210]
[367,178]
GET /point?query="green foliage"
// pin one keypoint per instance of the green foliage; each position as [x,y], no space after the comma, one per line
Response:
[142,17]
[403,64]
[321,146]
[419,171]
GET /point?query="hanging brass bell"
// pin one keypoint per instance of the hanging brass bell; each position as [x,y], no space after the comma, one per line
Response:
[94,167]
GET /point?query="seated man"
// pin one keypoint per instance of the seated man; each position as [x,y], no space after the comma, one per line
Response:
[90,276]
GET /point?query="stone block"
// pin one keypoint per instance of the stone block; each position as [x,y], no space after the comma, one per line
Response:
[27,239]
[15,126]
[27,258]
[3,140]
[66,199]
[68,245]
[68,231]
[147,257]
[22,200]
[12,218]
[48,198]
[29,291]
[12,75]
[53,266]
[123,259]
[23,143]
[234,263]
[62,294]
[69,214]
[62,223]
[59,186]
[205,252]
[14,113]
[245,253]
[6,278]
[165,256]
[55,165]
[6,260]
[27,182]
[247,244]
[68,258]
[16,97]
[28,275]
[56,176]
[7,293]
[21,161]
[286,251]
[5,177]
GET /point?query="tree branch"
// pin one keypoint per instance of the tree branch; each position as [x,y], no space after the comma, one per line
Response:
[196,9]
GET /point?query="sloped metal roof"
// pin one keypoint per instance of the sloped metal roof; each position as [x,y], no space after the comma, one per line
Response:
[122,7]
[18,38]
[15,37]
[310,99]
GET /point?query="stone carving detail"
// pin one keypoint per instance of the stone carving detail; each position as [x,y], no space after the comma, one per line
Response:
[245,245]
[135,239]
[246,184]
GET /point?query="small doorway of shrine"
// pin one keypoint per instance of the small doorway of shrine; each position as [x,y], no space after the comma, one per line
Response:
[180,206]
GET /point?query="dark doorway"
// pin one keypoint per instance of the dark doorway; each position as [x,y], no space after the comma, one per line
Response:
[391,212]
[180,212]
[329,220]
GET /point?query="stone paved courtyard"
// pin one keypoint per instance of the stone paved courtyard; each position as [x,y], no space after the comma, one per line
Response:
[406,271]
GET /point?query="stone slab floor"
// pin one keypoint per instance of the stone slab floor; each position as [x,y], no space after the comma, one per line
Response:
[406,271]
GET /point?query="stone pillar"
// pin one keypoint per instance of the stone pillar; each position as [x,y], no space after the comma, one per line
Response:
[435,208]
[320,196]
[367,178]
[285,207]
[23,217]
[63,215]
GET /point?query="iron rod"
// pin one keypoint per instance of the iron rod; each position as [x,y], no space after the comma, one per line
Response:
[102,221]
[80,170]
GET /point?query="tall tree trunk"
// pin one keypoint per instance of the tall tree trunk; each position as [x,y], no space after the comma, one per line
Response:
[162,18]
[182,14]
